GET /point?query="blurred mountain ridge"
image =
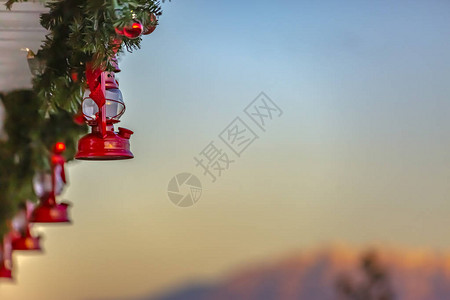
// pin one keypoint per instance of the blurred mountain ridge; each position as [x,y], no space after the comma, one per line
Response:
[313,275]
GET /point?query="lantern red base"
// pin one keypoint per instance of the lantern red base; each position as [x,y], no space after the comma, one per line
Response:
[112,147]
[5,273]
[45,213]
[27,243]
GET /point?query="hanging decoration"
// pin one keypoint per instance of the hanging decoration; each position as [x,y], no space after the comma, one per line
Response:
[21,236]
[133,30]
[151,26]
[49,185]
[102,108]
[74,85]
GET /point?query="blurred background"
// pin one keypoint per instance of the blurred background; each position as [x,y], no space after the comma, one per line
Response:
[358,160]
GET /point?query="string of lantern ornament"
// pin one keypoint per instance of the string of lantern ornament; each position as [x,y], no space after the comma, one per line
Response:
[74,88]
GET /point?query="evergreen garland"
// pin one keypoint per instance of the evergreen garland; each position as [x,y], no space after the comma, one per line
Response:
[27,147]
[80,32]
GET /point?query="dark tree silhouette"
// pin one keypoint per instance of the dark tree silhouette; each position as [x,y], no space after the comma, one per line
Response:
[375,283]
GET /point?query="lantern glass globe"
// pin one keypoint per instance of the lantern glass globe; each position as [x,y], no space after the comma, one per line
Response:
[114,104]
[19,222]
[90,108]
[42,184]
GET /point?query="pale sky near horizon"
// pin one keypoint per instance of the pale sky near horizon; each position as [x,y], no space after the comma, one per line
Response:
[360,154]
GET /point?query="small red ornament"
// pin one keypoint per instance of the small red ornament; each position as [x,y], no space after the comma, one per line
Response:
[119,30]
[78,119]
[59,148]
[151,26]
[133,30]
[74,76]
[149,29]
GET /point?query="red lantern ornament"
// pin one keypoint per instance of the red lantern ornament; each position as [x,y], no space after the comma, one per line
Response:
[6,257]
[51,212]
[102,108]
[133,30]
[47,187]
[21,237]
[26,241]
[151,26]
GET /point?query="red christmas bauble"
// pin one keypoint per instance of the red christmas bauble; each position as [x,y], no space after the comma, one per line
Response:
[149,29]
[59,147]
[151,26]
[74,76]
[78,119]
[133,30]
[118,30]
